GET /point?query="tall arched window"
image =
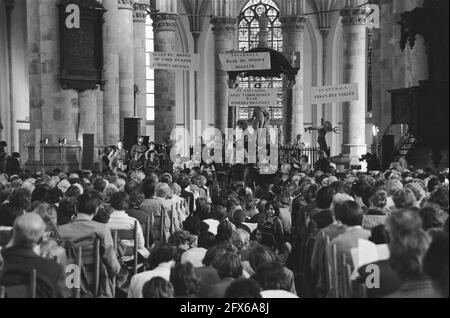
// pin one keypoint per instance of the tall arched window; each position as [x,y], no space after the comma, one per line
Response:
[150,73]
[255,14]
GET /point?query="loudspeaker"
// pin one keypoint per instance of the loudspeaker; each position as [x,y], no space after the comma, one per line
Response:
[131,132]
[87,161]
[388,148]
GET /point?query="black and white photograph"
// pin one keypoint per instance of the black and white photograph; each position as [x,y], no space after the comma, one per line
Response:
[231,155]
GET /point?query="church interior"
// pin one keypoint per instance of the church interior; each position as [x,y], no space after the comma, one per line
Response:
[116,117]
[400,65]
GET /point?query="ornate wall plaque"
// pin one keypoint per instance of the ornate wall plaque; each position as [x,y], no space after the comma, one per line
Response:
[81,47]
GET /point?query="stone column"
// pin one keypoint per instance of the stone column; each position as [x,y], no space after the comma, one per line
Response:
[5,100]
[224,29]
[293,34]
[126,61]
[139,16]
[164,26]
[88,113]
[54,111]
[111,118]
[9,6]
[355,71]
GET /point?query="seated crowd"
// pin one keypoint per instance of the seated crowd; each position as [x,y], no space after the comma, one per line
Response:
[195,239]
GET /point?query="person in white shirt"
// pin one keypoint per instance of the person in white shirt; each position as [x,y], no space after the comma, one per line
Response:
[120,220]
[162,260]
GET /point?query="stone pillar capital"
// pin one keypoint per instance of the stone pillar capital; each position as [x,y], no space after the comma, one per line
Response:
[125,4]
[140,8]
[355,16]
[324,31]
[164,21]
[224,24]
[293,23]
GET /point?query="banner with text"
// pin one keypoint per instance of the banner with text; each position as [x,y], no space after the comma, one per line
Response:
[237,62]
[174,61]
[335,94]
[264,97]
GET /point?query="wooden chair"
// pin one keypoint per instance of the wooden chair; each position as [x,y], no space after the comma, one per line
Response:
[148,234]
[360,291]
[346,278]
[77,290]
[119,235]
[95,267]
[328,262]
[334,271]
[21,291]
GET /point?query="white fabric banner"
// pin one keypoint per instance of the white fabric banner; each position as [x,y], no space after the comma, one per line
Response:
[263,97]
[174,61]
[334,94]
[235,62]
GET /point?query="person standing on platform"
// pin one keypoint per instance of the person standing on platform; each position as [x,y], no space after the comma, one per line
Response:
[323,131]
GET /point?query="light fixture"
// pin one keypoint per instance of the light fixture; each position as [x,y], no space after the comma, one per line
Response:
[375,130]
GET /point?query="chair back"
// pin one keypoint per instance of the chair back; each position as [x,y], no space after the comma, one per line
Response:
[21,291]
[334,275]
[148,234]
[328,263]
[120,235]
[88,260]
[346,277]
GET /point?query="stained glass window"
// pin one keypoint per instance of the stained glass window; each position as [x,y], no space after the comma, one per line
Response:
[249,38]
[150,73]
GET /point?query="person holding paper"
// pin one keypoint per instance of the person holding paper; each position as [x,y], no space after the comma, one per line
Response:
[387,282]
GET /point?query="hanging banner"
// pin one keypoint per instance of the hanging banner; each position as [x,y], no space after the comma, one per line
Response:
[239,62]
[334,94]
[174,61]
[251,97]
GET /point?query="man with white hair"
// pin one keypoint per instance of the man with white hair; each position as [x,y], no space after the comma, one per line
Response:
[63,185]
[23,256]
[240,239]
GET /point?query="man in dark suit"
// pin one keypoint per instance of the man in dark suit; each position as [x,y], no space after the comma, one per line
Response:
[23,257]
